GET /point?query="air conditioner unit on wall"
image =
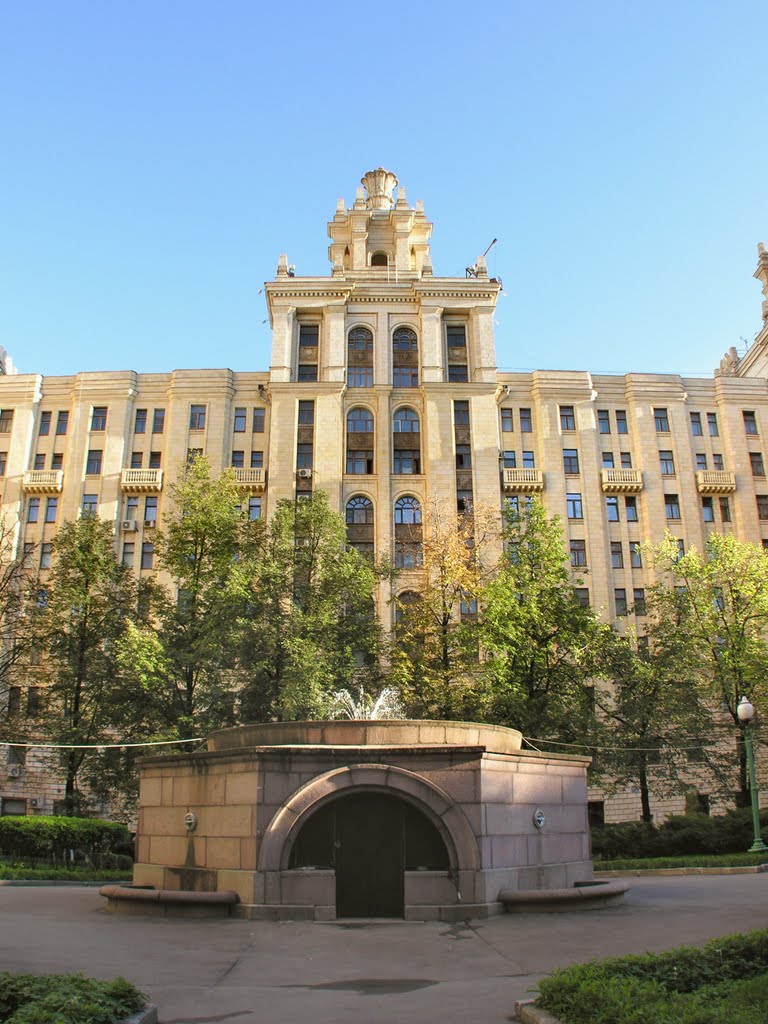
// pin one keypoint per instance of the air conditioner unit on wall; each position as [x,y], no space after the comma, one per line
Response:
[304,474]
[14,771]
[129,524]
[150,524]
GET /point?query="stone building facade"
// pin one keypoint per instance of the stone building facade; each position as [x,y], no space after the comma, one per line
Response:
[383,392]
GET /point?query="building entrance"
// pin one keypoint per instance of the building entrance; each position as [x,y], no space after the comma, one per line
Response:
[370,840]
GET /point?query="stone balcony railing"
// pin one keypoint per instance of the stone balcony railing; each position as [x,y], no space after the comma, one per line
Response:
[142,480]
[43,481]
[251,479]
[518,480]
[625,481]
[715,481]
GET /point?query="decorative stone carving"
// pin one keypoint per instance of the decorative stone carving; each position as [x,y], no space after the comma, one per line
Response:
[379,185]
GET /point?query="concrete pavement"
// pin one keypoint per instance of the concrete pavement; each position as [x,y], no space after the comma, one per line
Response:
[248,972]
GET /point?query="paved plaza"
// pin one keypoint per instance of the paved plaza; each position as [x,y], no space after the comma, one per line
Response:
[205,972]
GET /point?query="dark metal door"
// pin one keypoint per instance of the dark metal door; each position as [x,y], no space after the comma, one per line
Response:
[369,856]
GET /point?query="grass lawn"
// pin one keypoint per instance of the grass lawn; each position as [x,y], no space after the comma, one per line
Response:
[695,860]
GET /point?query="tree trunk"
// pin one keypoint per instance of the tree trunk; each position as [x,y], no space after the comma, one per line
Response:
[645,793]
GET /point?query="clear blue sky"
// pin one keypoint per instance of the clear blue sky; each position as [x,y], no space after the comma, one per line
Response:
[159,156]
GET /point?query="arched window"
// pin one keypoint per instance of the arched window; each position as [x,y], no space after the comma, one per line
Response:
[360,339]
[403,601]
[406,421]
[359,421]
[407,511]
[404,340]
[359,511]
[379,259]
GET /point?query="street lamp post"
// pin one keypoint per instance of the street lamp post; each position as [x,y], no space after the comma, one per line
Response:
[745,711]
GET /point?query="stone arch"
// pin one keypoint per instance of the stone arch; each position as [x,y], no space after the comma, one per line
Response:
[433,802]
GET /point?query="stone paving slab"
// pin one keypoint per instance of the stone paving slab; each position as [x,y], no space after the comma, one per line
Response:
[254,972]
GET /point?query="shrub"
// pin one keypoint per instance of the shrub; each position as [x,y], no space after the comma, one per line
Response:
[66,999]
[51,838]
[677,836]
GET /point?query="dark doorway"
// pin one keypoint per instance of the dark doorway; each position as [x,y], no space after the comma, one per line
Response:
[370,839]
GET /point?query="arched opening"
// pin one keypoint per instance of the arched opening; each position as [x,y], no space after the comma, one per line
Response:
[370,839]
[379,259]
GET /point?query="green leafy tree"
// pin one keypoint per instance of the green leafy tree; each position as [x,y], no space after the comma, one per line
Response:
[310,629]
[18,630]
[536,634]
[717,600]
[85,611]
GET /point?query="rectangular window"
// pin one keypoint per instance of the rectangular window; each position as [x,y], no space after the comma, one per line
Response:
[90,504]
[136,459]
[45,424]
[680,549]
[404,377]
[457,374]
[762,506]
[304,456]
[359,462]
[526,422]
[750,423]
[308,373]
[254,508]
[701,460]
[508,460]
[154,460]
[309,335]
[717,460]
[39,462]
[620,601]
[51,509]
[407,554]
[406,461]
[461,414]
[635,555]
[93,462]
[34,695]
[6,420]
[258,419]
[666,463]
[607,459]
[621,422]
[626,460]
[756,463]
[708,510]
[306,414]
[128,551]
[603,421]
[238,459]
[46,556]
[612,508]
[696,424]
[99,417]
[132,506]
[158,421]
[638,595]
[3,462]
[567,418]
[456,335]
[239,427]
[140,424]
[573,506]
[578,554]
[359,377]
[257,460]
[150,509]
[197,417]
[571,461]
[147,555]
[464,500]
[192,454]
[463,456]
[507,421]
[630,508]
[62,422]
[725,510]
[581,596]
[528,460]
[671,506]
[57,460]
[661,420]
[712,422]
[617,555]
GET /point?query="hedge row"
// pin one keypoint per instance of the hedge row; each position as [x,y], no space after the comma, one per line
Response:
[23,837]
[677,836]
[725,982]
[66,999]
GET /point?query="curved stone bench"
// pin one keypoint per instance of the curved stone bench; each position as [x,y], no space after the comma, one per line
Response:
[583,896]
[129,899]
